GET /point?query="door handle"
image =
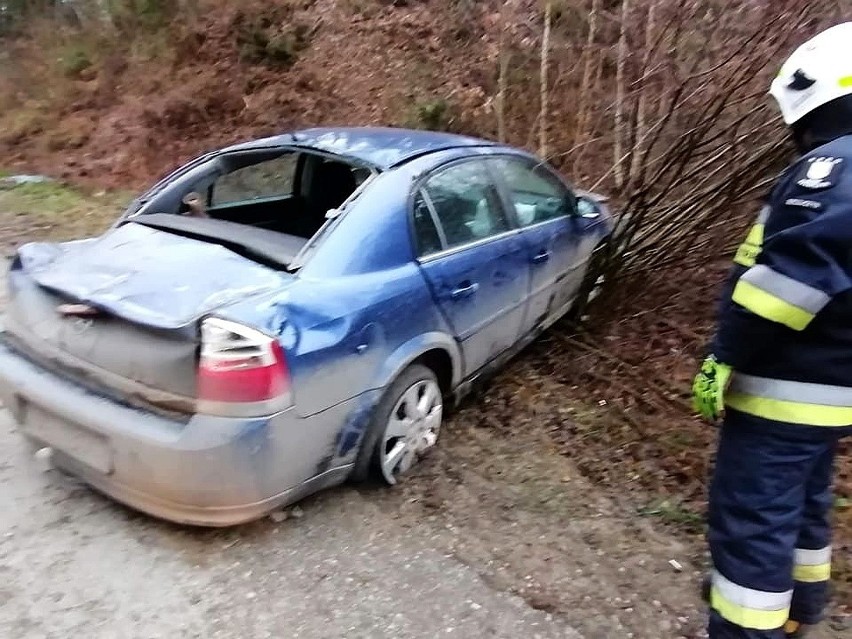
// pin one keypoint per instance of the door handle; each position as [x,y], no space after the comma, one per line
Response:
[541,257]
[465,289]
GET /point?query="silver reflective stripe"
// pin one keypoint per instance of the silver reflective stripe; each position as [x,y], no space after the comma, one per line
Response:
[786,288]
[787,391]
[748,598]
[763,216]
[813,557]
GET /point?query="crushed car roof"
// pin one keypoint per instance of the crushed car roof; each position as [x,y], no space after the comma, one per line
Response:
[381,147]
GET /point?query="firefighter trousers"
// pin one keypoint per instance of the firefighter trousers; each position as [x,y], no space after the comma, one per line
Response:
[769,528]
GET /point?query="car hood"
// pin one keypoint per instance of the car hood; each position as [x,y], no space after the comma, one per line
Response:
[148,276]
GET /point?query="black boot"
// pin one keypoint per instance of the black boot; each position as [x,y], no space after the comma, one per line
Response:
[795,630]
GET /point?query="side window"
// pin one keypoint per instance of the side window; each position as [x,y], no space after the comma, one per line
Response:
[537,195]
[268,179]
[466,203]
[425,232]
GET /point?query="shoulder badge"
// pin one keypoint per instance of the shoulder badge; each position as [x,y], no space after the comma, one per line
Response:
[819,173]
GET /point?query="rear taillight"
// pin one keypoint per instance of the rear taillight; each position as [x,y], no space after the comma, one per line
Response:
[242,372]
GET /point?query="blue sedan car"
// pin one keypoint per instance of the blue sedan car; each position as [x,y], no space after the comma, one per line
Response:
[279,316]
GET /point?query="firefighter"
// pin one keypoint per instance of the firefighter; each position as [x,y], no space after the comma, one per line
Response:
[781,367]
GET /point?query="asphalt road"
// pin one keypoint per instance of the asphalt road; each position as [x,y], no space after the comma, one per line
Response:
[74,564]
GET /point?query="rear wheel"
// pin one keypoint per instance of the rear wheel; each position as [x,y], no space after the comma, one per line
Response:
[405,426]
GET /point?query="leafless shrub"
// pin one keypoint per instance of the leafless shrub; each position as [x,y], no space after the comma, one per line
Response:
[694,138]
[661,104]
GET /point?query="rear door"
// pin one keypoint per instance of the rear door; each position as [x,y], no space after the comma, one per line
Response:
[540,203]
[473,259]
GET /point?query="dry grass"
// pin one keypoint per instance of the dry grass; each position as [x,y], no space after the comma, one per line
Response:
[52,211]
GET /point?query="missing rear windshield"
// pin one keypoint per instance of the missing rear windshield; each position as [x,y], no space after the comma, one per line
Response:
[279,193]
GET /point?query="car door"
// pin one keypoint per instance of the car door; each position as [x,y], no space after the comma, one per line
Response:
[473,259]
[542,208]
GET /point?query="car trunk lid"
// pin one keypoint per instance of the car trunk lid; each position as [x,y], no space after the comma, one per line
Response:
[122,311]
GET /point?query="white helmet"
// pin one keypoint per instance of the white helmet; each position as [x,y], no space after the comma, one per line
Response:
[818,72]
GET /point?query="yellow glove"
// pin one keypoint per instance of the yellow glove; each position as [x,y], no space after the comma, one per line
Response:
[708,389]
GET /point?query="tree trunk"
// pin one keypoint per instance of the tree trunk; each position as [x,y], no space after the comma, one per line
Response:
[581,133]
[641,107]
[620,128]
[502,81]
[545,53]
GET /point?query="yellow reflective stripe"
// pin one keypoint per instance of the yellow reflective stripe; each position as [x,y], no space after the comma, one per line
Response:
[747,617]
[845,81]
[749,250]
[791,412]
[812,565]
[770,307]
[746,255]
[804,296]
[812,574]
[755,235]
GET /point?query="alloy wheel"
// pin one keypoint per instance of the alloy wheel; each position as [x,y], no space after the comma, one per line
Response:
[412,429]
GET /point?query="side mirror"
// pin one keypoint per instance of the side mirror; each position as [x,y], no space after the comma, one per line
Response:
[587,208]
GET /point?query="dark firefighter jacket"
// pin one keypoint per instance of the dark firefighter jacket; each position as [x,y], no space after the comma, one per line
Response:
[785,322]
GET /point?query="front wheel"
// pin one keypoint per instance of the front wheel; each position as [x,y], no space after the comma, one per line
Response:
[405,426]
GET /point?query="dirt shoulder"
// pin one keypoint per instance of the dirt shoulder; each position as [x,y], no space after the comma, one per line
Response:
[509,504]
[504,498]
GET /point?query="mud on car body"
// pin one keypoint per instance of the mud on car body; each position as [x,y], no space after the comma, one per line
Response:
[282,315]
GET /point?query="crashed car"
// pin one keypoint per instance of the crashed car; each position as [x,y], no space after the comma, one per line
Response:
[283,315]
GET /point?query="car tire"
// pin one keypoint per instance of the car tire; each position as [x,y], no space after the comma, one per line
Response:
[403,428]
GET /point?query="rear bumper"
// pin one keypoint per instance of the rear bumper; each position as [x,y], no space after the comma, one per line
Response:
[209,471]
